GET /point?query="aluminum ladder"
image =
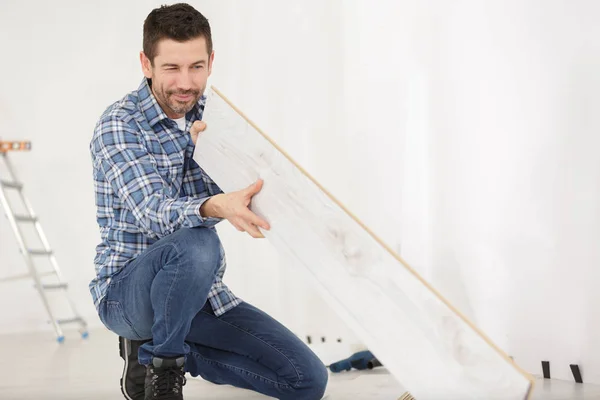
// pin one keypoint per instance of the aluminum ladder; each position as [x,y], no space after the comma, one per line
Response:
[29,254]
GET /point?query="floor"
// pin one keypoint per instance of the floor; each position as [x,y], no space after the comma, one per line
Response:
[36,367]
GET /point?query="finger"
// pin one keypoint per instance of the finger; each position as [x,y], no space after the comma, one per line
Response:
[198,126]
[256,220]
[250,218]
[254,188]
[237,225]
[252,230]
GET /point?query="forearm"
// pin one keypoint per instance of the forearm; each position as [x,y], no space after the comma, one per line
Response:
[159,216]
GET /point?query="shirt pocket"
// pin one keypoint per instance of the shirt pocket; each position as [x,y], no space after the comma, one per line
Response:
[169,162]
[170,169]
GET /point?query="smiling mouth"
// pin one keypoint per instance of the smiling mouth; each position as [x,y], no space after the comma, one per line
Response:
[183,97]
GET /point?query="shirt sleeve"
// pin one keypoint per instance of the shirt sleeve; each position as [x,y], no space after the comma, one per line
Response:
[132,174]
[197,182]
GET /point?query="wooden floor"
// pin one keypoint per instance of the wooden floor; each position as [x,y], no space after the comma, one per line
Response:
[36,367]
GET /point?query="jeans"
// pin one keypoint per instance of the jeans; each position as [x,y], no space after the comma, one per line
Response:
[162,295]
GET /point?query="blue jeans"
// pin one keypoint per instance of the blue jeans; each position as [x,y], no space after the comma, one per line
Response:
[162,295]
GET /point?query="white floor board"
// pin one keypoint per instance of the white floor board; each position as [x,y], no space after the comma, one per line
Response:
[400,317]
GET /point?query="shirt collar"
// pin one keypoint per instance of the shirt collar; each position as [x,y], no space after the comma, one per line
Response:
[154,113]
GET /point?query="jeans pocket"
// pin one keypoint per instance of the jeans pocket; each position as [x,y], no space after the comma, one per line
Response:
[114,319]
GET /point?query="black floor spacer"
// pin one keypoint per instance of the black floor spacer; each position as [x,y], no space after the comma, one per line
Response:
[546,369]
[576,373]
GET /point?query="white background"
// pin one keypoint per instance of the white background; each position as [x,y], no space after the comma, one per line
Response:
[465,133]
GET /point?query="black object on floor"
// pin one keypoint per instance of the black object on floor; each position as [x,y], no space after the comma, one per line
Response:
[361,360]
[546,369]
[576,373]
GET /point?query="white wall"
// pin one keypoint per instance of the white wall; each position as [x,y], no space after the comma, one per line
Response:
[515,92]
[462,132]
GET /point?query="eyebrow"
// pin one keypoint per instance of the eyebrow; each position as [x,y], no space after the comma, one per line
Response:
[176,65]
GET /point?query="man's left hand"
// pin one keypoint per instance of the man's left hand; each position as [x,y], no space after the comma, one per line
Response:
[197,127]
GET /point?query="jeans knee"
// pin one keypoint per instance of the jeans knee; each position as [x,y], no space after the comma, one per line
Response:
[199,249]
[312,386]
[317,383]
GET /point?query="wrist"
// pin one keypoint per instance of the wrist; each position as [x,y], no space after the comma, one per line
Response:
[211,208]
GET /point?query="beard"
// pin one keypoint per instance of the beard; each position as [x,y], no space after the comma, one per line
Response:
[166,99]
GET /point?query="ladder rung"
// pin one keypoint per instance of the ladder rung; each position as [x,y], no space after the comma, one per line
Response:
[41,284]
[54,285]
[15,277]
[24,276]
[12,185]
[25,218]
[69,320]
[40,252]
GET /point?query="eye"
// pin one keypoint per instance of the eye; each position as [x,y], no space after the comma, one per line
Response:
[199,66]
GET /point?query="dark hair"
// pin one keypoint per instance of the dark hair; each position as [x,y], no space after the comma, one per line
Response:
[180,22]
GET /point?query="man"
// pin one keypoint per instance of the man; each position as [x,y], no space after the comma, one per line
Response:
[160,264]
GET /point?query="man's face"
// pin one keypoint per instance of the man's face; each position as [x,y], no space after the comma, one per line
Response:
[179,74]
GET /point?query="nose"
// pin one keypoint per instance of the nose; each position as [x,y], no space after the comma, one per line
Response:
[184,80]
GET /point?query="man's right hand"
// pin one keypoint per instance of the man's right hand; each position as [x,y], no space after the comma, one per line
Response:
[234,208]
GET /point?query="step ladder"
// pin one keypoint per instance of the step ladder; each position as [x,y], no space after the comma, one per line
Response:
[29,254]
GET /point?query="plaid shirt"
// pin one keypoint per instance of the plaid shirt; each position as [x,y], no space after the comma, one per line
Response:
[147,186]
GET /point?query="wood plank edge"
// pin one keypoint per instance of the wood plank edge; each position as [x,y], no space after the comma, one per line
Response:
[525,374]
[529,394]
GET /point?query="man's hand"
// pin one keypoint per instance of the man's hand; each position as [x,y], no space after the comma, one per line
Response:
[234,208]
[197,127]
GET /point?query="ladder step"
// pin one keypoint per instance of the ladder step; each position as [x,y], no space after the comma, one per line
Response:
[54,285]
[40,252]
[25,218]
[69,320]
[18,220]
[12,185]
[25,276]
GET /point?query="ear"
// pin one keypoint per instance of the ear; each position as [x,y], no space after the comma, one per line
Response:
[146,65]
[210,62]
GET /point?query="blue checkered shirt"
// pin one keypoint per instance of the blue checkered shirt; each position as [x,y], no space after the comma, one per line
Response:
[147,186]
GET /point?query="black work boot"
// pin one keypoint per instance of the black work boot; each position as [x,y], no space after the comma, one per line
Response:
[134,374]
[165,378]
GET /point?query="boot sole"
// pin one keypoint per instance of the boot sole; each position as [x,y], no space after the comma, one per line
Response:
[124,352]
